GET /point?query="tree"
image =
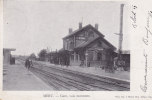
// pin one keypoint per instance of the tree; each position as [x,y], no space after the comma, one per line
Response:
[32,56]
[42,54]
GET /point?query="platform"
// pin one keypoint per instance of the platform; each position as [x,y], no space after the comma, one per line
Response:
[119,75]
[17,77]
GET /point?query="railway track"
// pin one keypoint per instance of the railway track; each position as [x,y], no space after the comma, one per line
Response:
[67,80]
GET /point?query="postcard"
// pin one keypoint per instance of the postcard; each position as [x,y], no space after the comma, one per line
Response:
[76,50]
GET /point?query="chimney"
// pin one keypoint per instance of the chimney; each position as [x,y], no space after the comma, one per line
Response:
[70,31]
[96,26]
[80,25]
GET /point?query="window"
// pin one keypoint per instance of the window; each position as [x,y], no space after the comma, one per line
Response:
[77,57]
[71,45]
[91,33]
[72,57]
[99,56]
[82,57]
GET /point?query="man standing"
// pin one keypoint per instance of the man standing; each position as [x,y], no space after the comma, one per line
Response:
[27,63]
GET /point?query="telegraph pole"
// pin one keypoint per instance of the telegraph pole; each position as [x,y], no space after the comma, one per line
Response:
[120,62]
[121,31]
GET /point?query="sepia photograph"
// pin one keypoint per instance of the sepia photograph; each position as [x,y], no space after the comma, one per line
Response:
[66,46]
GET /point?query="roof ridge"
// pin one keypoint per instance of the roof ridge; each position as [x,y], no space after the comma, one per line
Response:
[74,32]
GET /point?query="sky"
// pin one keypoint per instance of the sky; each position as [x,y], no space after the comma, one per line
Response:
[30,26]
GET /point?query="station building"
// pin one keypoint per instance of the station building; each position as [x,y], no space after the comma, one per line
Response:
[88,47]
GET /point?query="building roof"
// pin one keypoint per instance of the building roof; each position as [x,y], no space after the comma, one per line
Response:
[9,49]
[84,28]
[124,51]
[85,44]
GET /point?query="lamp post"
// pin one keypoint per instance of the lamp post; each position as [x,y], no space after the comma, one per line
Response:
[86,57]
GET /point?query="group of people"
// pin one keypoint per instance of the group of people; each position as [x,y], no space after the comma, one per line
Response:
[28,63]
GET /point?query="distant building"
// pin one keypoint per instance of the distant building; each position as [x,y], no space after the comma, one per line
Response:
[7,55]
[87,47]
[125,56]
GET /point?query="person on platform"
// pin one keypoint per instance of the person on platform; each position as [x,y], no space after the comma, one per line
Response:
[27,63]
[31,64]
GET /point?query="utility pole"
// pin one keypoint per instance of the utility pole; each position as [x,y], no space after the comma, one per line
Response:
[121,31]
[120,62]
